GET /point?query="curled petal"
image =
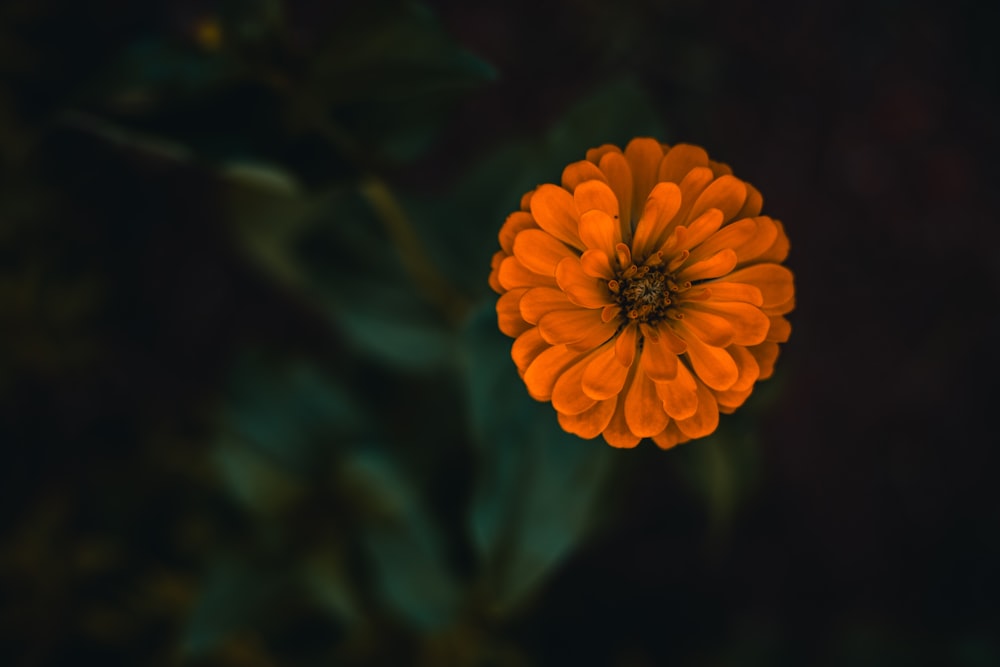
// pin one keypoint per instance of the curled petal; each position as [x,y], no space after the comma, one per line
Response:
[555,212]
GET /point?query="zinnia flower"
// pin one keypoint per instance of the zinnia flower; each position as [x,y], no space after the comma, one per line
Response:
[645,294]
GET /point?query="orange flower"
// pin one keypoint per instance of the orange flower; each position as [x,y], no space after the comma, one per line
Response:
[645,294]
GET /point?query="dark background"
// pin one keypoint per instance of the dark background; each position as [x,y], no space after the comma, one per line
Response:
[847,516]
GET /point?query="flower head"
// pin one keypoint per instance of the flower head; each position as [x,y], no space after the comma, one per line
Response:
[645,294]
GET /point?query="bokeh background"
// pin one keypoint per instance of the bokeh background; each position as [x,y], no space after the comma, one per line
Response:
[255,410]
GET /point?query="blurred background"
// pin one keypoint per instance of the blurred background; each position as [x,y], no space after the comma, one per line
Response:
[254,408]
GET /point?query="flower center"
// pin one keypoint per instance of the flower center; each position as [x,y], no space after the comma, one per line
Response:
[644,293]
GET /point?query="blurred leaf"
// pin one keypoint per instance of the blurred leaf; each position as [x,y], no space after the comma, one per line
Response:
[235,593]
[291,413]
[327,248]
[254,481]
[405,549]
[462,228]
[390,76]
[538,486]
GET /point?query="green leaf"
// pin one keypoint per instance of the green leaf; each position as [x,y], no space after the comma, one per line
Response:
[402,542]
[235,594]
[290,413]
[538,487]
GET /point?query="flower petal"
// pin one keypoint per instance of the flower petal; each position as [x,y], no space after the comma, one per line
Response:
[555,212]
[589,423]
[509,318]
[730,291]
[713,365]
[567,394]
[779,250]
[700,229]
[658,359]
[705,420]
[752,205]
[691,187]
[749,369]
[541,375]
[571,326]
[762,239]
[747,324]
[680,395]
[774,281]
[595,154]
[596,195]
[680,160]
[513,274]
[765,354]
[780,329]
[597,263]
[715,266]
[726,193]
[578,172]
[617,432]
[670,437]
[516,222]
[643,156]
[539,301]
[710,328]
[494,278]
[605,375]
[654,226]
[582,289]
[526,347]
[643,407]
[599,231]
[616,168]
[730,236]
[626,343]
[539,251]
